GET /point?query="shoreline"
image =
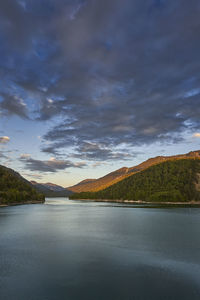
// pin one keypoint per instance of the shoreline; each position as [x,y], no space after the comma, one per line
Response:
[140,202]
[21,203]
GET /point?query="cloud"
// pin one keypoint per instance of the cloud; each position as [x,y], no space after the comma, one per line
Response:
[94,151]
[106,73]
[196,135]
[52,165]
[99,163]
[192,93]
[4,139]
[3,156]
[25,156]
[6,155]
[33,176]
[75,11]
[12,105]
[134,97]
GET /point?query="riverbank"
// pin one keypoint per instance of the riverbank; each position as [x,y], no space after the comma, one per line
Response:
[141,202]
[21,203]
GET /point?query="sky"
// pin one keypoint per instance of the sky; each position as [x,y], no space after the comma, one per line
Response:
[90,86]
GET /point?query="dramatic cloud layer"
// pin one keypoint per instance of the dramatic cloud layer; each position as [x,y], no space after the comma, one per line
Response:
[111,75]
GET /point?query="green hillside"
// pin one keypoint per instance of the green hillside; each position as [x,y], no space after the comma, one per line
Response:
[15,189]
[170,181]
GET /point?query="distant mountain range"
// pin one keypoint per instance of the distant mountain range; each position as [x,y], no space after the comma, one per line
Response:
[51,189]
[95,185]
[14,189]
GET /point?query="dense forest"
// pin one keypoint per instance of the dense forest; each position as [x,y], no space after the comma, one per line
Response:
[170,181]
[15,189]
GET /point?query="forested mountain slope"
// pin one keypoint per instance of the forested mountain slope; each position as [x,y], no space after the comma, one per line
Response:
[94,185]
[15,189]
[170,181]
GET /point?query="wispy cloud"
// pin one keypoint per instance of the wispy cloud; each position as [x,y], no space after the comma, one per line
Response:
[75,10]
[33,176]
[25,156]
[192,93]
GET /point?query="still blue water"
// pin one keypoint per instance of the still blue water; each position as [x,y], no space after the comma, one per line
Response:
[86,250]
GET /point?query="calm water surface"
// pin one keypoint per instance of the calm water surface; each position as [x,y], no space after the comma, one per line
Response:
[74,250]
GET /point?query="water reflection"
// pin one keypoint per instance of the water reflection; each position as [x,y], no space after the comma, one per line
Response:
[75,250]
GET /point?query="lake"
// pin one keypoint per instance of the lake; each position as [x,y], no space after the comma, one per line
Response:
[70,250]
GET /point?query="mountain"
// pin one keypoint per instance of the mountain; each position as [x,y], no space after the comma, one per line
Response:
[98,184]
[175,180]
[14,189]
[51,189]
[82,183]
[95,185]
[54,187]
[48,186]
[40,187]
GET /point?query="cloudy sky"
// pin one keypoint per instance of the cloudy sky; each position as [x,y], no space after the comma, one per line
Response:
[89,86]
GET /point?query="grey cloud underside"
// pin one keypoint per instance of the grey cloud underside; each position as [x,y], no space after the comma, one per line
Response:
[49,166]
[109,72]
[13,106]
[93,151]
